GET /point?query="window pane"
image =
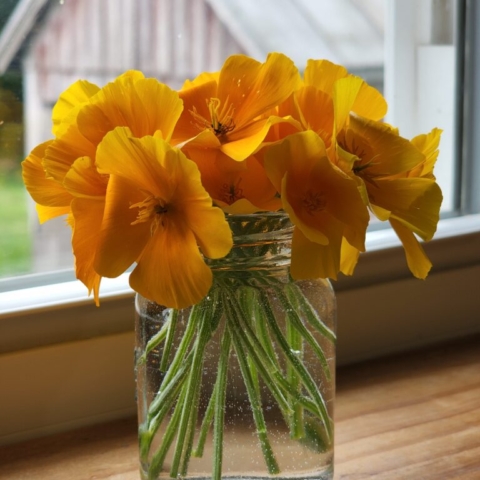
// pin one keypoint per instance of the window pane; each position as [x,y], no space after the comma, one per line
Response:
[420,78]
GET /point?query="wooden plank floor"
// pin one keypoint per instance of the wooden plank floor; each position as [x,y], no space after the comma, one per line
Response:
[412,416]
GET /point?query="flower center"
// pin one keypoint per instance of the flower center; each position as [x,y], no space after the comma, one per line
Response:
[151,209]
[313,201]
[221,120]
[361,151]
[230,193]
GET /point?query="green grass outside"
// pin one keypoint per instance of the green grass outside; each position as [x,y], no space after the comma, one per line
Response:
[15,244]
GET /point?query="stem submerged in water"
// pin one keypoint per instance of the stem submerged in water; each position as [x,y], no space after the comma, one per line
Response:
[270,359]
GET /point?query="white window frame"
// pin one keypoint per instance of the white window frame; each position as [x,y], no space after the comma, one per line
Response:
[420,72]
[65,363]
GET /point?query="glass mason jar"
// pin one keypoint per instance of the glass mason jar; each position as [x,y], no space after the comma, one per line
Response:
[241,384]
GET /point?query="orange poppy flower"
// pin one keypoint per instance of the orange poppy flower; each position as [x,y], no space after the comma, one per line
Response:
[232,112]
[82,116]
[322,202]
[396,177]
[158,214]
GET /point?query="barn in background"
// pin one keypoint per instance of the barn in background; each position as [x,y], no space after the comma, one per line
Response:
[59,41]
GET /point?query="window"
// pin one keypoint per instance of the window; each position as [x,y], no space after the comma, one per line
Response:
[432,54]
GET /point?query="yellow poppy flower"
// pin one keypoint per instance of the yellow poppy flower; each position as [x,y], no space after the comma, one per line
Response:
[158,214]
[398,181]
[233,114]
[323,104]
[323,203]
[66,168]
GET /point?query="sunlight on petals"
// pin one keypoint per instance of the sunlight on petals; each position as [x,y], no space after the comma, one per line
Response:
[70,100]
[345,93]
[323,74]
[47,213]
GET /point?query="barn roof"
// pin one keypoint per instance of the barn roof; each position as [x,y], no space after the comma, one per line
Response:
[349,32]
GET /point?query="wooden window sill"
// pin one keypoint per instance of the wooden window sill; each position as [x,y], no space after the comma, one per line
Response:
[414,415]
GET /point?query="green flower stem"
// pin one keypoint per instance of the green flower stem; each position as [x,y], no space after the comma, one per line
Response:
[298,299]
[249,307]
[219,406]
[156,340]
[212,314]
[297,323]
[267,369]
[179,357]
[207,421]
[294,339]
[165,399]
[169,341]
[214,301]
[256,405]
[298,365]
[159,457]
[190,404]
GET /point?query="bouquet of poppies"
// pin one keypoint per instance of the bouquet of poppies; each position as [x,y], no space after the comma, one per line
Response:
[148,176]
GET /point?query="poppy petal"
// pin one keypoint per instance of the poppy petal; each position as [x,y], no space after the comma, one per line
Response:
[47,213]
[44,191]
[119,242]
[69,100]
[83,179]
[415,202]
[323,74]
[252,88]
[144,105]
[211,230]
[62,152]
[195,99]
[348,258]
[88,216]
[311,260]
[417,260]
[135,159]
[177,277]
